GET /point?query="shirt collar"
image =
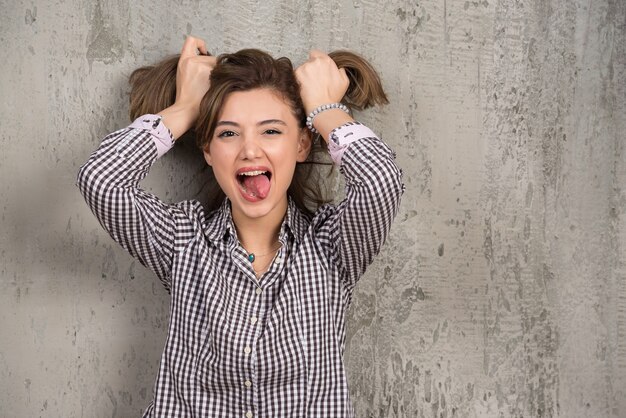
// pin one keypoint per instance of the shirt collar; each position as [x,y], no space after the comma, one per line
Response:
[295,222]
[220,225]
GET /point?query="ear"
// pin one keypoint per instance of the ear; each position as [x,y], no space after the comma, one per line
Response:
[207,155]
[304,144]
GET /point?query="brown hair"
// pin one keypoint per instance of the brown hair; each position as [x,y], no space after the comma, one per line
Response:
[153,88]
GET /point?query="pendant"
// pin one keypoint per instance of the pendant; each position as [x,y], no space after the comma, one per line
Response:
[251,257]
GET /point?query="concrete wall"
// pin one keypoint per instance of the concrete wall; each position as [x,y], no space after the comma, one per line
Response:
[502,289]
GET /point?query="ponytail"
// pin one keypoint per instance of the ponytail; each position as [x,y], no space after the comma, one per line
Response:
[153,87]
[365,89]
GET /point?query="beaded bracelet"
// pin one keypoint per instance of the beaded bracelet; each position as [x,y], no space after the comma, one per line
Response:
[320,109]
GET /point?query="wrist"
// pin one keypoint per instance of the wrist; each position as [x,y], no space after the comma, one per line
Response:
[311,105]
[179,118]
[319,111]
[329,120]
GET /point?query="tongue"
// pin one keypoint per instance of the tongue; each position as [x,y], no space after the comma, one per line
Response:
[257,185]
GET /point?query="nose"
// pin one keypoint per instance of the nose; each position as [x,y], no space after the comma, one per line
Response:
[250,147]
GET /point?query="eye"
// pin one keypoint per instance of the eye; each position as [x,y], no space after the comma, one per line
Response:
[272,132]
[226,134]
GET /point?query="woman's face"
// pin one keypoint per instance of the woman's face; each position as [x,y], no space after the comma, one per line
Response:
[253,152]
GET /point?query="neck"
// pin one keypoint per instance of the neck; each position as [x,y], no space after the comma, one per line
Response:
[259,235]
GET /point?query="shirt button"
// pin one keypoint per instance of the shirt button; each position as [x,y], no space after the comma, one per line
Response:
[253,320]
[247,350]
[249,414]
[258,290]
[247,383]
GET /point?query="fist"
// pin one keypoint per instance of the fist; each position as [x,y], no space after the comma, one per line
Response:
[193,72]
[321,82]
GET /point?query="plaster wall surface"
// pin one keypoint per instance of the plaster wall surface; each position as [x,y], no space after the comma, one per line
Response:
[501,291]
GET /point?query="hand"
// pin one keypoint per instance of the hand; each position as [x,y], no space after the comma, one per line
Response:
[321,82]
[192,74]
[192,83]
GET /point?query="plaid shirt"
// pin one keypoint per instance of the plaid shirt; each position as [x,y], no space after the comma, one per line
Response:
[237,346]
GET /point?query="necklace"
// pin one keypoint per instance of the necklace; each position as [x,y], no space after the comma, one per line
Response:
[252,256]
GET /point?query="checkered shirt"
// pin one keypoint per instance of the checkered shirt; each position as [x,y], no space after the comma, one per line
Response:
[237,346]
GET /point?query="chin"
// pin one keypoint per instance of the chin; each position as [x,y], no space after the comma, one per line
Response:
[259,209]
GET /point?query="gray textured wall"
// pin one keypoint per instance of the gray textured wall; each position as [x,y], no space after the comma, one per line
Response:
[502,289]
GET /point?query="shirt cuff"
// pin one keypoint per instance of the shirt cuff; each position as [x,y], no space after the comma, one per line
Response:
[340,138]
[159,133]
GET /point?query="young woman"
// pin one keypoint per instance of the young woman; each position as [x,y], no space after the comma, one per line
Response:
[259,286]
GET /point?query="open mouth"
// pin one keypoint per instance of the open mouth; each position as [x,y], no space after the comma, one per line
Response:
[254,184]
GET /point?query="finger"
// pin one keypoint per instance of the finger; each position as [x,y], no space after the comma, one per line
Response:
[209,60]
[343,75]
[202,48]
[345,78]
[191,46]
[316,53]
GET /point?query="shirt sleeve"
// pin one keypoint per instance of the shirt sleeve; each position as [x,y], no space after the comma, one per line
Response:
[372,199]
[140,222]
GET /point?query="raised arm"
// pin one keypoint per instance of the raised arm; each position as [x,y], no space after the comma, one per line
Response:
[373,180]
[109,180]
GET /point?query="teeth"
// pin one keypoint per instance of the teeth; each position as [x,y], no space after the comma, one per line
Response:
[252,173]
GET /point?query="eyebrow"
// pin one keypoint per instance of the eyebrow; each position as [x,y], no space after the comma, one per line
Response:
[263,122]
